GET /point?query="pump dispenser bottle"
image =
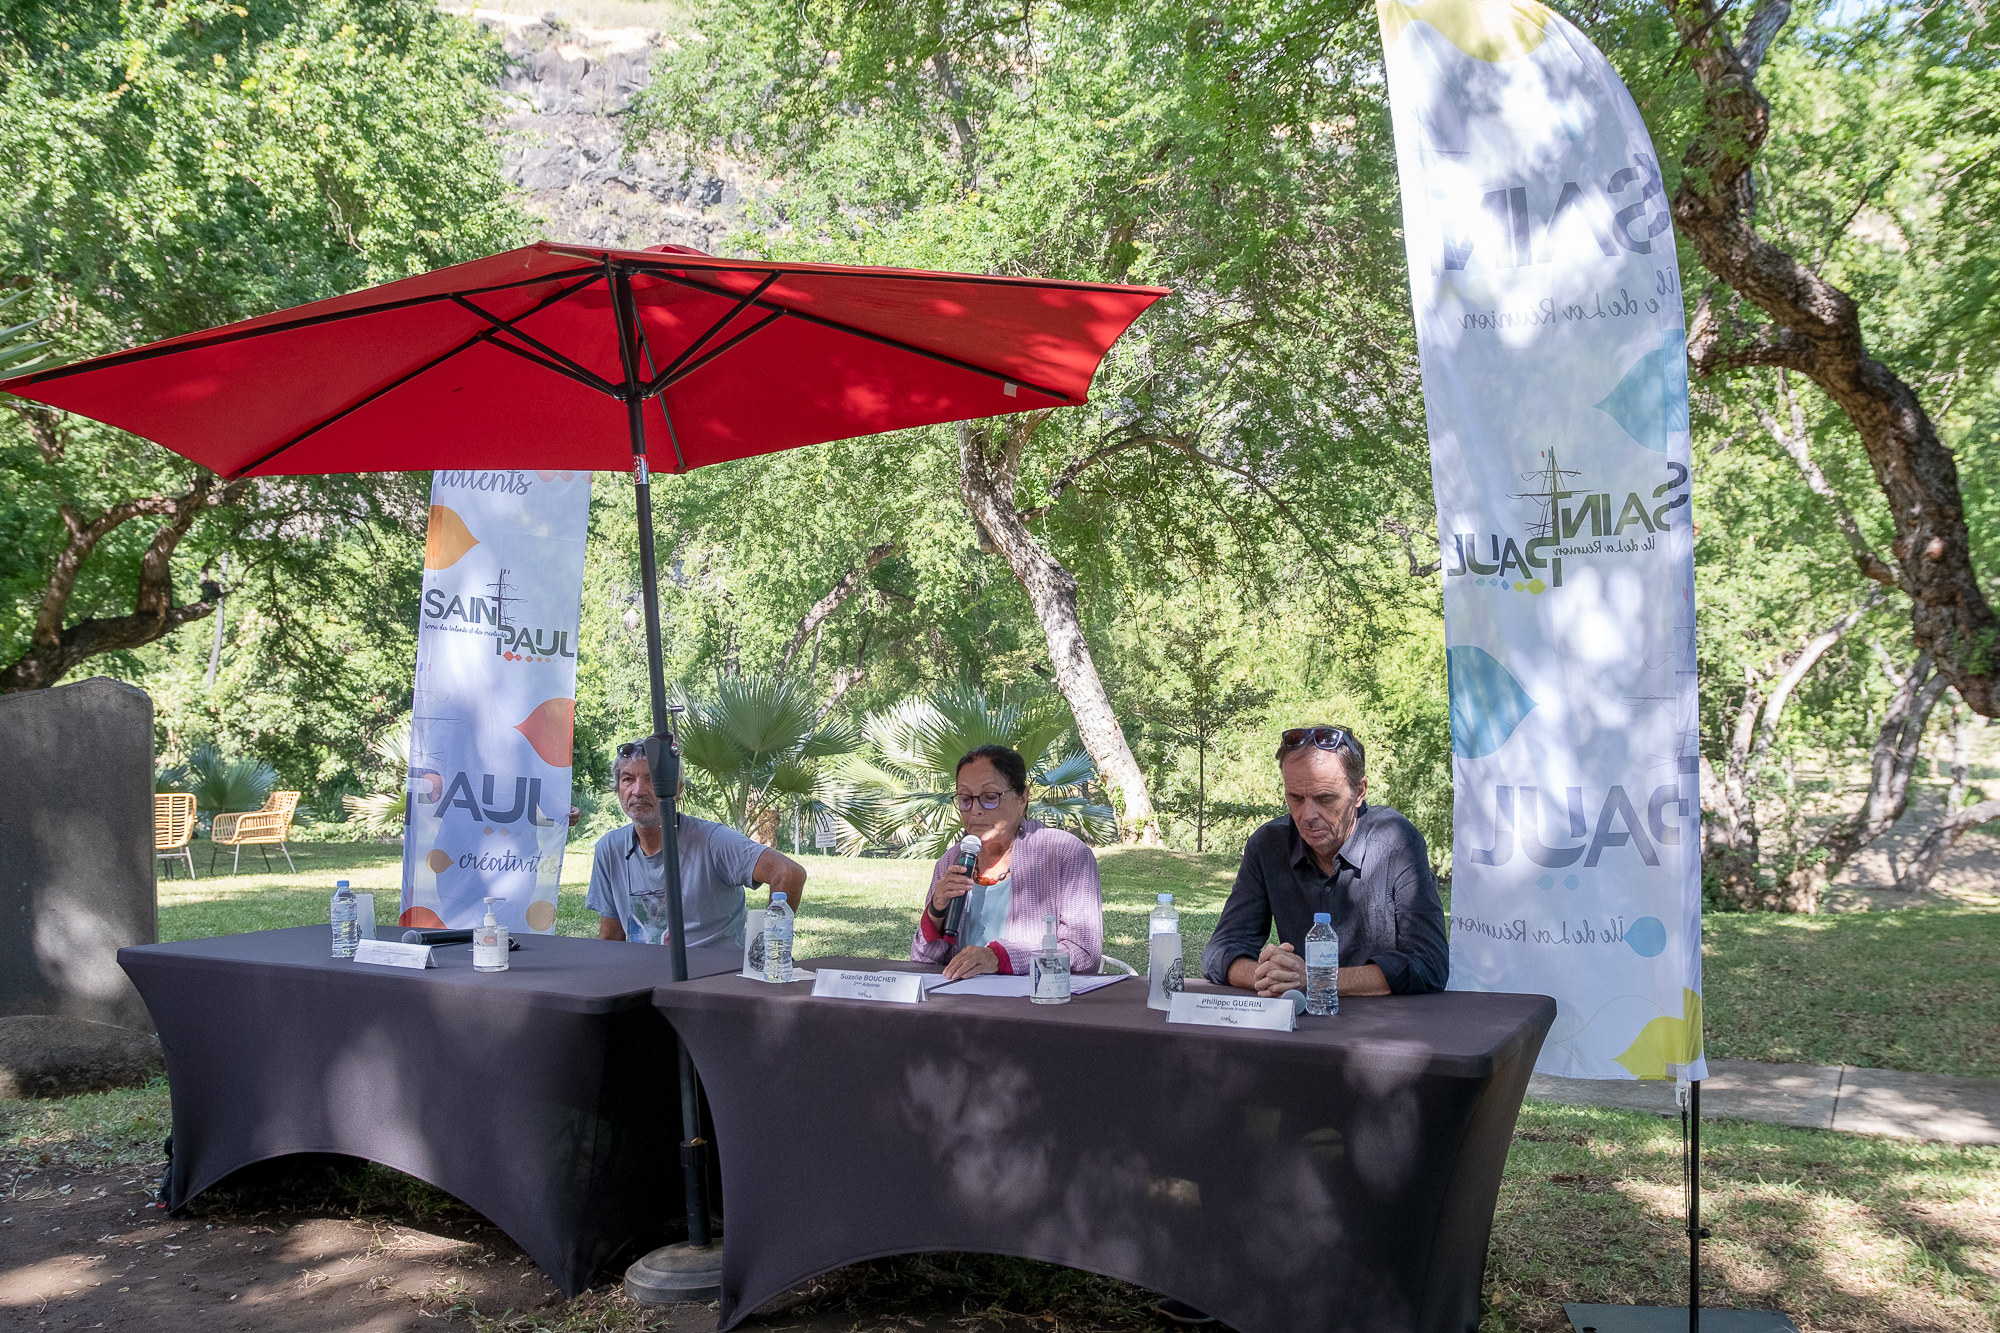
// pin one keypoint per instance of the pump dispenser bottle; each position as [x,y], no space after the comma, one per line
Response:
[489,942]
[1049,969]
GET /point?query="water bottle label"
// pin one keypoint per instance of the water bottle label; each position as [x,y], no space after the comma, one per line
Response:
[1322,953]
[488,955]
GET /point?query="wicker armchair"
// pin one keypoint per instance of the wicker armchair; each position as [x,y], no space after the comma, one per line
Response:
[173,829]
[255,828]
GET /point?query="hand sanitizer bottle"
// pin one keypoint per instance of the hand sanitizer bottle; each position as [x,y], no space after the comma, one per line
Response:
[489,942]
[778,940]
[1166,970]
[346,920]
[1049,969]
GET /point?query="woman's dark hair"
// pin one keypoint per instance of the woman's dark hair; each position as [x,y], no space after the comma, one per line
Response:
[1012,767]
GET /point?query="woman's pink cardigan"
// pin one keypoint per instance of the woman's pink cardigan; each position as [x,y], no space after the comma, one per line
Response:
[1053,871]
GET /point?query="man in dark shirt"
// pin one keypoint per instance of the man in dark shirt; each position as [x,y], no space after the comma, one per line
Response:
[1365,865]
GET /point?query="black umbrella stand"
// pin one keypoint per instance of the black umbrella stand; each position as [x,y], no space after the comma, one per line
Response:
[692,1270]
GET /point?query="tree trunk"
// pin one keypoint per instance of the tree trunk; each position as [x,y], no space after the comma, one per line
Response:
[1925,864]
[1897,747]
[988,470]
[1731,848]
[1815,330]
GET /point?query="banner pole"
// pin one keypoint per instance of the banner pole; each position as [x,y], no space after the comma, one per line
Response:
[1694,1206]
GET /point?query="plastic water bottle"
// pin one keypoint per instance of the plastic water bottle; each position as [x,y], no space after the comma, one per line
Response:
[1166,968]
[1322,966]
[778,940]
[346,920]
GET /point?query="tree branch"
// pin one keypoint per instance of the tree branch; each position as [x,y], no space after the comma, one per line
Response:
[53,650]
[1798,443]
[843,588]
[1405,531]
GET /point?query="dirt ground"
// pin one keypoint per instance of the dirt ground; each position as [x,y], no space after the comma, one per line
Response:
[93,1251]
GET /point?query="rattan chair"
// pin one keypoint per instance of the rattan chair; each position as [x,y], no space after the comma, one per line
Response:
[255,828]
[173,829]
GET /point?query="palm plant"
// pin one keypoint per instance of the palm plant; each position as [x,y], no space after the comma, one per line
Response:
[759,743]
[381,814]
[904,787]
[219,785]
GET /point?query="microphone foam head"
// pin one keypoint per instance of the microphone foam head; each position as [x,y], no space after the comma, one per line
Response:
[969,843]
[1298,999]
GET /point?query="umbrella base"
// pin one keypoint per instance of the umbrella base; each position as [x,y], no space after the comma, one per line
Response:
[676,1274]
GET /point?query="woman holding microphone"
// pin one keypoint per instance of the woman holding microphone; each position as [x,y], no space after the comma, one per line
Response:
[1025,871]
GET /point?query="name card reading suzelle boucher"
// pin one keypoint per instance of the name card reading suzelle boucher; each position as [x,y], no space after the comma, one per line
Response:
[393,953]
[1231,1011]
[890,987]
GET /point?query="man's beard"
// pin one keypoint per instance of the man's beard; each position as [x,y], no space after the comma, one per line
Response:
[645,818]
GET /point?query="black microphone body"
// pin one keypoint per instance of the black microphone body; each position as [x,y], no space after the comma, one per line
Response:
[954,913]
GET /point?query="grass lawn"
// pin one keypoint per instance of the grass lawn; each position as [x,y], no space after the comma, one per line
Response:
[1843,1232]
[1917,989]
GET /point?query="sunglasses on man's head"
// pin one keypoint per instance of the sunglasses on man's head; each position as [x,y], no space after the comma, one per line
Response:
[988,800]
[1326,738]
[631,749]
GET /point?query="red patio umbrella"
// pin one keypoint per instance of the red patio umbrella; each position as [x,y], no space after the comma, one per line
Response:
[563,356]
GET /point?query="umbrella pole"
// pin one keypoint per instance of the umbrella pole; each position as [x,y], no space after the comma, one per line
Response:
[661,1274]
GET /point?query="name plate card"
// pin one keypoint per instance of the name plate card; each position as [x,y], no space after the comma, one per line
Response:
[394,953]
[891,987]
[1232,1011]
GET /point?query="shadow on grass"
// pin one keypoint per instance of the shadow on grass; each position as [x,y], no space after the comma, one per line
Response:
[1838,1231]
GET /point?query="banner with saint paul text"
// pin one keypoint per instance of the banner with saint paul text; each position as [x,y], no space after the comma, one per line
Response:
[1550,327]
[495,702]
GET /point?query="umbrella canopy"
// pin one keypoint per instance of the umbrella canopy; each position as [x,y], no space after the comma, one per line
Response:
[515,361]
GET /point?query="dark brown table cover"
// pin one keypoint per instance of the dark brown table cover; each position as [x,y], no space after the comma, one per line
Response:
[1342,1176]
[545,1097]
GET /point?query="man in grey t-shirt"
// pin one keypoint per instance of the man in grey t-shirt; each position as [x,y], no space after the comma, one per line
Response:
[627,887]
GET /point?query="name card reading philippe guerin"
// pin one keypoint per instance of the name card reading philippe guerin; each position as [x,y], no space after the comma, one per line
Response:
[1231,1011]
[890,987]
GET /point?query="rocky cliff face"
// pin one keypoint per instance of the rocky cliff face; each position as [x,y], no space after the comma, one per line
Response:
[566,86]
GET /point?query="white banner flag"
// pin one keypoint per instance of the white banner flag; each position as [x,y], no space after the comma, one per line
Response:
[495,702]
[1548,313]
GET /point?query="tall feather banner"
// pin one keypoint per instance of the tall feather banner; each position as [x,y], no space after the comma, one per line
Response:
[1549,321]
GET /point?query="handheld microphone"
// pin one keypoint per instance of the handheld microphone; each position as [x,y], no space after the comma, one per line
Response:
[1298,999]
[968,859]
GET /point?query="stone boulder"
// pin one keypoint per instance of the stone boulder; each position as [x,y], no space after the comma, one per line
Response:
[45,1056]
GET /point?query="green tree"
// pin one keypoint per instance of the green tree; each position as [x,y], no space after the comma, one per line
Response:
[166,167]
[1197,696]
[904,786]
[760,743]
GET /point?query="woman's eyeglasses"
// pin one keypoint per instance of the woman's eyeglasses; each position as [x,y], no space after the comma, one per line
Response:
[988,800]
[1326,738]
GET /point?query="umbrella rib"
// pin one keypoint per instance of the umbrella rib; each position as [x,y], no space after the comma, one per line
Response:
[580,375]
[646,351]
[883,339]
[665,381]
[150,351]
[660,380]
[576,369]
[484,335]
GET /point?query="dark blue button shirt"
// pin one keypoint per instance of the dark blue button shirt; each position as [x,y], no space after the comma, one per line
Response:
[1381,896]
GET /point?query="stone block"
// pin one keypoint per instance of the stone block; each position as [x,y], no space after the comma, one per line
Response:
[41,1056]
[76,850]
